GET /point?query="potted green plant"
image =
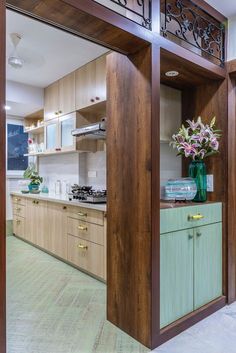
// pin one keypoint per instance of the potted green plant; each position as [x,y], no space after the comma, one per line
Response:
[35,180]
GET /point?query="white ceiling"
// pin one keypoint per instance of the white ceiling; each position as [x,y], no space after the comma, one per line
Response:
[48,53]
[227,7]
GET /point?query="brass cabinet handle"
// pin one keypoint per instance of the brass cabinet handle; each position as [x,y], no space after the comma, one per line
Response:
[17,199]
[35,202]
[60,112]
[18,209]
[64,208]
[56,113]
[82,214]
[199,234]
[190,236]
[82,228]
[17,221]
[196,217]
[82,247]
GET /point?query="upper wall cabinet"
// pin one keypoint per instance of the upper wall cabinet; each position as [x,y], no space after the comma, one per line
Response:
[59,97]
[90,82]
[170,110]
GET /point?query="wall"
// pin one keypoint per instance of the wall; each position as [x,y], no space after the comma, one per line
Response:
[231,54]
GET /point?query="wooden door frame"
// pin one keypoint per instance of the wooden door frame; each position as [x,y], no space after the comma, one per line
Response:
[126,37]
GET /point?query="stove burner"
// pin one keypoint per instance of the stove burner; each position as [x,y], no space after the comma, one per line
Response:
[87,194]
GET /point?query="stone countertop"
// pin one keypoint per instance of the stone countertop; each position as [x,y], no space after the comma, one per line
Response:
[63,199]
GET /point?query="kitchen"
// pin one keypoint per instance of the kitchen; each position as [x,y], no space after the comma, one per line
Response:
[69,221]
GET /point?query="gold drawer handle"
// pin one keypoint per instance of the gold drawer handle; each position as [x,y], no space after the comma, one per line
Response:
[196,217]
[35,202]
[82,214]
[18,209]
[17,221]
[82,228]
[82,247]
[16,199]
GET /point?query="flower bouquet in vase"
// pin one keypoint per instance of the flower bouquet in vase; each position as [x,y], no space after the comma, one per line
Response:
[197,141]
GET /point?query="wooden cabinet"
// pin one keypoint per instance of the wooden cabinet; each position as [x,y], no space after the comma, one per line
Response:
[51,101]
[59,97]
[57,230]
[36,221]
[190,259]
[58,136]
[176,276]
[90,83]
[207,264]
[75,234]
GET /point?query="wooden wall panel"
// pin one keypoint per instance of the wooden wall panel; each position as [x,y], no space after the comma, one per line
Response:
[129,196]
[2,183]
[207,101]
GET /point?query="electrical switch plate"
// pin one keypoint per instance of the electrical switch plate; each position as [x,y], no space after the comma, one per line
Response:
[210,183]
[92,174]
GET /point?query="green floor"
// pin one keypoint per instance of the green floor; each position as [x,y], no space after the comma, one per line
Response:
[54,308]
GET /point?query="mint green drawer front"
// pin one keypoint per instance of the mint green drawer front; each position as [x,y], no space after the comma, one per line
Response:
[173,219]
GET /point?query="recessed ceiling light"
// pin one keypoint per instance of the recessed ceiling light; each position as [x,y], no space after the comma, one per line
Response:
[7,107]
[172,73]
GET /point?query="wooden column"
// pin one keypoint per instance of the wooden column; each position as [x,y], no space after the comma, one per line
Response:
[129,181]
[2,182]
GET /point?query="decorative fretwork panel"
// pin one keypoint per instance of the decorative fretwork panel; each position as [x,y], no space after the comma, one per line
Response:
[192,27]
[138,11]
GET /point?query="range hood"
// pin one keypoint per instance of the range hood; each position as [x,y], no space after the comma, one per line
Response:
[94,131]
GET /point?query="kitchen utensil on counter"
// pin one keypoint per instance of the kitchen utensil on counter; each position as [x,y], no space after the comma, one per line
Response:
[181,189]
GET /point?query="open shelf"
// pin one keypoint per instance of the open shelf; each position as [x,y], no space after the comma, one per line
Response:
[36,130]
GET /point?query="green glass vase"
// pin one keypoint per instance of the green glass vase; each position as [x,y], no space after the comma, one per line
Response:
[197,171]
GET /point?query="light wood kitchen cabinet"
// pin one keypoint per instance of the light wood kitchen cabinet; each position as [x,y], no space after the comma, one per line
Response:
[51,101]
[59,97]
[36,221]
[58,136]
[67,94]
[73,233]
[90,83]
[56,240]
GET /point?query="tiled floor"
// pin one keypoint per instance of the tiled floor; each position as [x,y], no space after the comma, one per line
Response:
[54,308]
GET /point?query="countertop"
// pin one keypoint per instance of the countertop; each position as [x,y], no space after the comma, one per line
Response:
[61,199]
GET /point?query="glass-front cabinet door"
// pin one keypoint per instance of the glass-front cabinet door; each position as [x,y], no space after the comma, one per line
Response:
[51,136]
[67,123]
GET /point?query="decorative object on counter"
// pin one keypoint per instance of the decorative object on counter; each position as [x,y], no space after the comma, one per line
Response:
[197,141]
[34,147]
[58,187]
[87,194]
[35,179]
[45,189]
[24,186]
[182,189]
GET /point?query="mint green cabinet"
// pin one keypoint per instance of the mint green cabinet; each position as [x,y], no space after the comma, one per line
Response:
[190,260]
[207,264]
[176,276]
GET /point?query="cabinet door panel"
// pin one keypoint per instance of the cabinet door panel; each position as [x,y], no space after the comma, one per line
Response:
[101,79]
[52,136]
[176,276]
[67,124]
[67,94]
[36,222]
[57,237]
[51,101]
[85,85]
[207,264]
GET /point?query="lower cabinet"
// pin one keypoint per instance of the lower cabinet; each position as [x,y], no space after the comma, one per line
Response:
[176,276]
[73,233]
[190,269]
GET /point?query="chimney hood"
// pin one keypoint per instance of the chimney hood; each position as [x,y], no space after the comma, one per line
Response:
[93,131]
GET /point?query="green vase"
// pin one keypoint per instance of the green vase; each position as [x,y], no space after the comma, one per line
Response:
[197,171]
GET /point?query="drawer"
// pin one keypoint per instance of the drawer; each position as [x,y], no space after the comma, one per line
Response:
[18,210]
[174,219]
[86,255]
[87,231]
[85,214]
[19,226]
[18,200]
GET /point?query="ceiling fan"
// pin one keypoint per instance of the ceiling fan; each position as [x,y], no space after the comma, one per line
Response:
[14,60]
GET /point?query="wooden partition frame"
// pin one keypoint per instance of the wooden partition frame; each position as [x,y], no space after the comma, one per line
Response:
[133,132]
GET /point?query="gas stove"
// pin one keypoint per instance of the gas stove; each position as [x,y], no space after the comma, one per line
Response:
[87,194]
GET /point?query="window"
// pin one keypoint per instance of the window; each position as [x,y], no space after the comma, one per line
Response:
[17,143]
